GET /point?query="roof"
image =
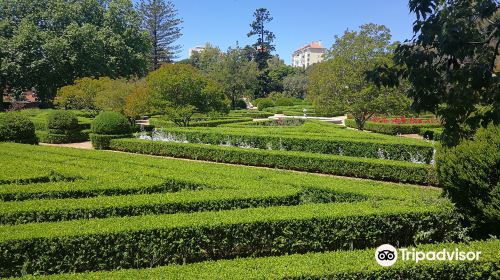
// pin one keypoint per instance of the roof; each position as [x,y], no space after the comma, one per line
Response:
[313,45]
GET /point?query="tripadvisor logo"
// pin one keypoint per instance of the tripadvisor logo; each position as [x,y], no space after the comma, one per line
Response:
[387,255]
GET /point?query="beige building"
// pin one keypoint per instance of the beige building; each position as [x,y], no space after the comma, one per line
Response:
[308,55]
[196,49]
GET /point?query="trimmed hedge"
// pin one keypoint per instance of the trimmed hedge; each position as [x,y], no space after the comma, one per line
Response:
[379,149]
[392,129]
[302,161]
[205,123]
[159,175]
[111,123]
[249,114]
[102,142]
[345,265]
[320,212]
[144,241]
[107,126]
[62,120]
[15,127]
[20,212]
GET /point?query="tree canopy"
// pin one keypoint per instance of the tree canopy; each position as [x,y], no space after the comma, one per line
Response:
[450,63]
[160,19]
[265,37]
[236,75]
[47,44]
[182,85]
[338,85]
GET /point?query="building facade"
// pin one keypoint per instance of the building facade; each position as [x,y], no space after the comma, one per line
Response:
[196,49]
[308,55]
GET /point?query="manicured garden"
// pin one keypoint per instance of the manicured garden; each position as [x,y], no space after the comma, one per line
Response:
[65,214]
[121,160]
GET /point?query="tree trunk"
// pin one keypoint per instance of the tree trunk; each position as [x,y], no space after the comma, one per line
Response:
[360,123]
[1,99]
[233,102]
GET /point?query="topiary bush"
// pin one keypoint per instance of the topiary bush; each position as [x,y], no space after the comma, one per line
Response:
[63,127]
[263,103]
[62,120]
[107,126]
[470,174]
[111,123]
[284,101]
[17,128]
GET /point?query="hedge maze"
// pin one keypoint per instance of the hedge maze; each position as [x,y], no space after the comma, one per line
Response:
[98,212]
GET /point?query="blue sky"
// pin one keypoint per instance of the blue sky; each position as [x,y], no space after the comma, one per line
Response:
[296,23]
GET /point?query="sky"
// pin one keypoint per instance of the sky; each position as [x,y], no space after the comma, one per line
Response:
[296,23]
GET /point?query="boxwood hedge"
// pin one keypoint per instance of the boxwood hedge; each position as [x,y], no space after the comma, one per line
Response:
[388,170]
[392,129]
[267,212]
[383,149]
[146,241]
[356,264]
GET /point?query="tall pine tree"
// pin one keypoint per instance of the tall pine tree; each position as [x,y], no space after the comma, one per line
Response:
[161,20]
[263,45]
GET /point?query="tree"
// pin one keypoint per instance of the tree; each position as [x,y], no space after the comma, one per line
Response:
[278,70]
[181,85]
[138,102]
[295,85]
[206,59]
[338,85]
[450,62]
[49,44]
[265,38]
[235,74]
[161,20]
[94,95]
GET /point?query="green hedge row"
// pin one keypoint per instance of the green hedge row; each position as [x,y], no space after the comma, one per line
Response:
[65,136]
[339,146]
[41,124]
[345,265]
[146,241]
[392,129]
[330,164]
[205,123]
[47,210]
[102,141]
[250,113]
[103,173]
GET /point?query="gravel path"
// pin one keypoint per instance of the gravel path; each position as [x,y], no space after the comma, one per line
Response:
[82,145]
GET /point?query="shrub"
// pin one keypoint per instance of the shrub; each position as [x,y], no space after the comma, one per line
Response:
[470,176]
[107,126]
[111,123]
[62,120]
[263,103]
[241,104]
[17,128]
[284,102]
[431,133]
